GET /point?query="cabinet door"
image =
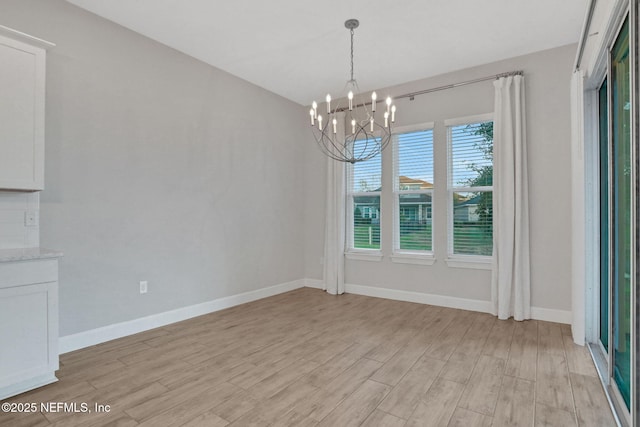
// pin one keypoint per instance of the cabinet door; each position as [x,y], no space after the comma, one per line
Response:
[29,334]
[22,78]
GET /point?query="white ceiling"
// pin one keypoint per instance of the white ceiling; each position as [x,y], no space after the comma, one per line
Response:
[300,49]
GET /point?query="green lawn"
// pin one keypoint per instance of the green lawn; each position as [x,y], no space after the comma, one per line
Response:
[471,239]
[361,236]
[468,238]
[415,237]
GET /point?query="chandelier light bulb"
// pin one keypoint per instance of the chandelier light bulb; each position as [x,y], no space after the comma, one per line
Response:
[320,122]
[312,114]
[350,96]
[353,126]
[328,104]
[386,119]
[335,126]
[314,105]
[374,96]
[388,103]
[372,123]
[393,114]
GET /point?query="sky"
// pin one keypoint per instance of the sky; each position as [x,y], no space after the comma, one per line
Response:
[415,158]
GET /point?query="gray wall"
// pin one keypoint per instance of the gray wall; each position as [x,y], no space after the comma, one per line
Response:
[159,168]
[162,168]
[547,76]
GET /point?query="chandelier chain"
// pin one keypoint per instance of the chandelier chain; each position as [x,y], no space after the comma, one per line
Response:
[351,54]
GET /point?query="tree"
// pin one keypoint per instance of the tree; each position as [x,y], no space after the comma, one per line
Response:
[484,173]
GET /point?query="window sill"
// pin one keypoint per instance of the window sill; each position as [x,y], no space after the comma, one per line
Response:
[474,262]
[413,258]
[374,256]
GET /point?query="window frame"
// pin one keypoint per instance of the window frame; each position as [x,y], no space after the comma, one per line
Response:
[408,256]
[483,262]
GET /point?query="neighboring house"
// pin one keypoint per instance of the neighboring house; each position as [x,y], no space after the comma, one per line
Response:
[467,210]
[415,207]
[407,183]
[367,208]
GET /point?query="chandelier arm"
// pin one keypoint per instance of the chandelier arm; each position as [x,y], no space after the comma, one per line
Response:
[328,152]
[338,147]
[331,147]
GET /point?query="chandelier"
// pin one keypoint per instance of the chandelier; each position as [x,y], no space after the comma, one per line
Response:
[363,132]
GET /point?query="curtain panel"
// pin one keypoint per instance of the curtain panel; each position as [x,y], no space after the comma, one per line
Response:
[510,279]
[335,226]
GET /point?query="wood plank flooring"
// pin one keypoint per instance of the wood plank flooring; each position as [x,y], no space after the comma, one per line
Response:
[306,358]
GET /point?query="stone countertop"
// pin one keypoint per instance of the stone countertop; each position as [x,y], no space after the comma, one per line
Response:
[27,254]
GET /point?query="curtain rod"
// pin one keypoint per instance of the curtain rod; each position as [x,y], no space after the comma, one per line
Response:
[585,31]
[451,86]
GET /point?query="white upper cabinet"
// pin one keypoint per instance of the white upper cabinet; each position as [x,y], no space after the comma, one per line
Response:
[22,100]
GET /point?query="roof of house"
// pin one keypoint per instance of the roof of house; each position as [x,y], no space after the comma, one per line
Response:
[405,180]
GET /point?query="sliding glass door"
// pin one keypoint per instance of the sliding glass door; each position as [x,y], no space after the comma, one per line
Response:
[621,212]
[616,218]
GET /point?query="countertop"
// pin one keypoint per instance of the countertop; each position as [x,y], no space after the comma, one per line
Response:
[27,254]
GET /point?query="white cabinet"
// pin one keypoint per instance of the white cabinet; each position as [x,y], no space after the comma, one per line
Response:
[28,324]
[22,100]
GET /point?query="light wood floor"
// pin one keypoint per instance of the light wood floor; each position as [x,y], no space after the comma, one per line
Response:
[306,358]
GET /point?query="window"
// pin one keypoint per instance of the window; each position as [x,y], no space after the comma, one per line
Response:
[413,191]
[470,186]
[364,189]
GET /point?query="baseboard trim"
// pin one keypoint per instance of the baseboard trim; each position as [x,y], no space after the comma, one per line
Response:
[107,333]
[313,283]
[91,337]
[552,315]
[30,384]
[537,313]
[421,298]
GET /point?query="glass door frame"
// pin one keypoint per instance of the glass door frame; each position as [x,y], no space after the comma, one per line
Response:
[602,71]
[634,26]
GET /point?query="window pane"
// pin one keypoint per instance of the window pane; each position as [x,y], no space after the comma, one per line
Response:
[415,160]
[473,223]
[366,222]
[622,214]
[367,174]
[415,221]
[472,155]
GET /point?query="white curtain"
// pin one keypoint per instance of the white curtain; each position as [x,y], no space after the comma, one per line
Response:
[510,279]
[333,276]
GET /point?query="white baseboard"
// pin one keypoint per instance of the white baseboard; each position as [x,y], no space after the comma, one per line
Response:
[313,283]
[537,313]
[107,333]
[418,297]
[551,315]
[30,384]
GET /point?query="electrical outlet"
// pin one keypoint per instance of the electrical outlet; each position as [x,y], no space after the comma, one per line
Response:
[31,218]
[143,286]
